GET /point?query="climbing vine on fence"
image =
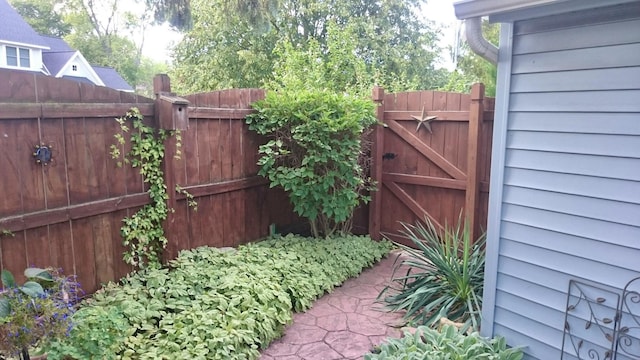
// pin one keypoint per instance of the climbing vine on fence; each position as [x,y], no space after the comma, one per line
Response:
[142,232]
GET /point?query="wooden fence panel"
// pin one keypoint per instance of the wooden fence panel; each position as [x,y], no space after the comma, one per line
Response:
[68,213]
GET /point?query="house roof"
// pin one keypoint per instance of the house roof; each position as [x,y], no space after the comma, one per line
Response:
[466,9]
[55,61]
[111,78]
[55,44]
[14,29]
[78,79]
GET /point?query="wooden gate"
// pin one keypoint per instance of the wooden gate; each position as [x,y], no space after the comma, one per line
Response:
[431,158]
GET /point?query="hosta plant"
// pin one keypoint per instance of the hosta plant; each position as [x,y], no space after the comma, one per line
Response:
[445,344]
[444,278]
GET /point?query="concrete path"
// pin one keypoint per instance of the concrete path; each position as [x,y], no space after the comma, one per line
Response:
[345,324]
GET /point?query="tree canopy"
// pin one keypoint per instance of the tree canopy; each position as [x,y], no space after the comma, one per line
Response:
[231,44]
[43,16]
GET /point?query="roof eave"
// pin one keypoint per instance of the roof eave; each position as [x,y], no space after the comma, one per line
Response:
[22,44]
[466,9]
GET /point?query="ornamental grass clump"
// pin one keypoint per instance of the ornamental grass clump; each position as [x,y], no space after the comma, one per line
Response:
[36,312]
[444,278]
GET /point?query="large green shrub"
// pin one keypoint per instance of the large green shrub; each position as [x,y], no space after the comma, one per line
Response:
[313,152]
[447,344]
[211,304]
[445,276]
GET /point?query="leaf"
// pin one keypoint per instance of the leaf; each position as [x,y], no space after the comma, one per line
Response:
[32,289]
[37,273]
[5,307]
[8,281]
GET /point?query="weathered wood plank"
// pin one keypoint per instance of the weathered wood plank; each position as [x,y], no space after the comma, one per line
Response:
[55,174]
[70,110]
[457,116]
[424,181]
[224,186]
[13,253]
[473,175]
[211,113]
[10,163]
[78,211]
[37,247]
[377,151]
[84,255]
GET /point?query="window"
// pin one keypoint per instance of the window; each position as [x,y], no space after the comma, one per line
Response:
[74,67]
[12,56]
[18,57]
[24,58]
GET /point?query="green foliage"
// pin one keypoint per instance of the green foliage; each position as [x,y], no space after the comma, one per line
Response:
[43,16]
[445,276]
[214,304]
[447,344]
[231,43]
[35,312]
[98,334]
[142,232]
[313,151]
[471,68]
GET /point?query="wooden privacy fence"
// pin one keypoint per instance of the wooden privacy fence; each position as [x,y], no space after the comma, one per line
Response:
[68,213]
[431,159]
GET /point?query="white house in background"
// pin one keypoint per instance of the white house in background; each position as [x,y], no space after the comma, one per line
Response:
[22,49]
[563,235]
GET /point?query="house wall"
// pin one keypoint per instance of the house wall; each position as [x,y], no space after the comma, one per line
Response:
[565,191]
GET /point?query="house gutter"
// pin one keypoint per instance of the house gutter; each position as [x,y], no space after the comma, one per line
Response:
[477,42]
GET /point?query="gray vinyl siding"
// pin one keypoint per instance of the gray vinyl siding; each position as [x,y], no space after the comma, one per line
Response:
[570,195]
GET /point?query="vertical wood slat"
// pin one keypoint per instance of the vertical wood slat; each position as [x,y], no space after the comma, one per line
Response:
[377,148]
[476,111]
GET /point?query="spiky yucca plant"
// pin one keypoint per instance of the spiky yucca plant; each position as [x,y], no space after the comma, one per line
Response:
[444,278]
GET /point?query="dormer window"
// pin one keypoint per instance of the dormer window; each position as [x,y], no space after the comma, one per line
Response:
[74,67]
[19,57]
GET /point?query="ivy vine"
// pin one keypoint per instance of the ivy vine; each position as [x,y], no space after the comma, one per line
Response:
[142,232]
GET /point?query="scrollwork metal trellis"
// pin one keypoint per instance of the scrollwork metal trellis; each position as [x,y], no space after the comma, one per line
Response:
[601,324]
[628,339]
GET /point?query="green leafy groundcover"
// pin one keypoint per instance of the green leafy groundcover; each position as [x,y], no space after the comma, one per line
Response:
[213,304]
[445,344]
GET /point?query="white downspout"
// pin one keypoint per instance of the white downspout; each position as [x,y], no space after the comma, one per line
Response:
[477,42]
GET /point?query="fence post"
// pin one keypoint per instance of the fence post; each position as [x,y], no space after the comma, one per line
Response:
[476,111]
[375,207]
[171,113]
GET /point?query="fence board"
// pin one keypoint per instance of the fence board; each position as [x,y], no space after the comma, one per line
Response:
[55,174]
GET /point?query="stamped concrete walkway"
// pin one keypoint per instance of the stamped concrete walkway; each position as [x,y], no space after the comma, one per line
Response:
[345,324]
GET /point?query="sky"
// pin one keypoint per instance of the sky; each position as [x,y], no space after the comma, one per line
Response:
[159,40]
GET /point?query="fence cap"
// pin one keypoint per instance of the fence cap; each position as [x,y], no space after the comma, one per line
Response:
[172,98]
